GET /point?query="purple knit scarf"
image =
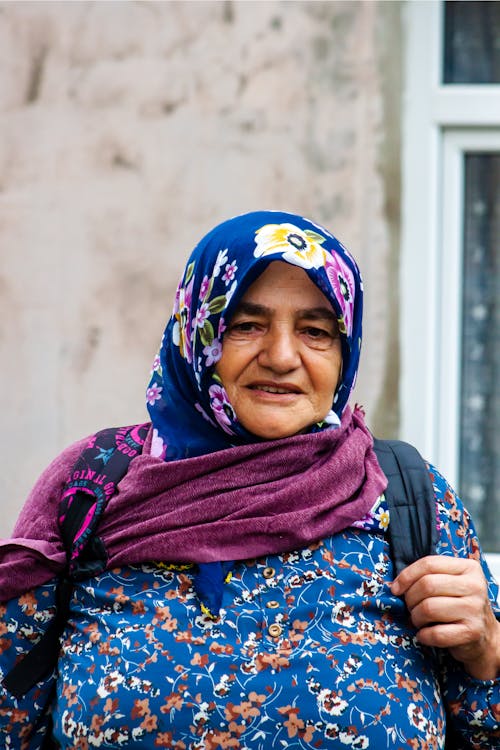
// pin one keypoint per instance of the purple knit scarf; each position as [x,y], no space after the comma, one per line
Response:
[233,504]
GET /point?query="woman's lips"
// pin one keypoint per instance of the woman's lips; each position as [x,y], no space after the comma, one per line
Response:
[273,389]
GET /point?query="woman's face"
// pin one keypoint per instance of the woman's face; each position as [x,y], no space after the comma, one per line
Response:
[281,354]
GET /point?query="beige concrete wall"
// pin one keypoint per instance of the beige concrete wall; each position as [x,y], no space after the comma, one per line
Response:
[126,131]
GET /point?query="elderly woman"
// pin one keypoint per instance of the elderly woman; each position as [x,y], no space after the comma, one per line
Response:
[245,594]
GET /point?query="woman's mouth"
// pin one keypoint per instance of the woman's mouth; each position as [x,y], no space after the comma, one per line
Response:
[276,389]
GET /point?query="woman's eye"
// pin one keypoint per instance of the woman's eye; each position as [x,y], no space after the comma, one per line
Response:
[245,326]
[317,333]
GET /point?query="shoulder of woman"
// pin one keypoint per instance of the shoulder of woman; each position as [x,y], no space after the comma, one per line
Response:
[458,535]
[444,492]
[45,495]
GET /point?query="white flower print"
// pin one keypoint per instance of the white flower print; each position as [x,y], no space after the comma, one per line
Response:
[221,259]
[230,292]
[301,247]
[342,613]
[382,516]
[331,702]
[230,272]
[221,408]
[222,327]
[158,447]
[176,333]
[153,394]
[212,352]
[156,366]
[202,315]
[204,287]
[416,716]
[332,419]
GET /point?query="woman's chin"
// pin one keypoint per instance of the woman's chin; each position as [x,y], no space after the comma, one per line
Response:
[276,429]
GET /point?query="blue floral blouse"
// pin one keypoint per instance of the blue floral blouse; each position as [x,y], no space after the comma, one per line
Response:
[311,650]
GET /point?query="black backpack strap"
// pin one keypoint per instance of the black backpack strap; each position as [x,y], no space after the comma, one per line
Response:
[42,657]
[413,531]
[94,479]
[410,497]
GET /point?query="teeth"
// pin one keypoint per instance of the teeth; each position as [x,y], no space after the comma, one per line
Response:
[272,389]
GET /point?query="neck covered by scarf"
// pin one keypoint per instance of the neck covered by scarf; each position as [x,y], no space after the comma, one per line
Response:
[234,504]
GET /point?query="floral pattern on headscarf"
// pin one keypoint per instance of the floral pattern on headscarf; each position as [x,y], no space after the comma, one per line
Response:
[299,247]
[188,405]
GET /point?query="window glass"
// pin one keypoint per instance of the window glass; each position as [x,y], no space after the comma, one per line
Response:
[480,397]
[471,41]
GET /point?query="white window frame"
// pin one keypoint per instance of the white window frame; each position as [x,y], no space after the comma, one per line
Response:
[440,124]
[456,143]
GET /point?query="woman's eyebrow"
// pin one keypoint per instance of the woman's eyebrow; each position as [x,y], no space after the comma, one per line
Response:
[318,313]
[250,308]
[313,313]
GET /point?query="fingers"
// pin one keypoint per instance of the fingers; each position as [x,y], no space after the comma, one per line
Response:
[440,589]
[467,611]
[434,565]
[446,591]
[447,598]
[473,642]
[451,636]
[441,585]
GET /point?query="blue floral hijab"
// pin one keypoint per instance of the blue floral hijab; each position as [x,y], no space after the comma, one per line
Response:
[188,405]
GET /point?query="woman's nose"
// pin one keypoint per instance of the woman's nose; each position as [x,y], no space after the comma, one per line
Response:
[279,350]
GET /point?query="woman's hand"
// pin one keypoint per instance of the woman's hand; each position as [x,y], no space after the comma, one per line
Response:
[448,602]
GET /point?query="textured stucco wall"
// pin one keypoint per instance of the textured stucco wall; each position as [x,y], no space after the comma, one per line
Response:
[126,131]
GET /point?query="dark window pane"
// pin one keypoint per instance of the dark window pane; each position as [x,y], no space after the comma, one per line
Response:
[471,41]
[480,397]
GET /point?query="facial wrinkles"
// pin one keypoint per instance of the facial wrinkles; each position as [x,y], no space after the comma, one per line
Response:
[313,313]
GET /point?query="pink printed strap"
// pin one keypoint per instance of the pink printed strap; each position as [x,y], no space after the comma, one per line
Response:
[93,480]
